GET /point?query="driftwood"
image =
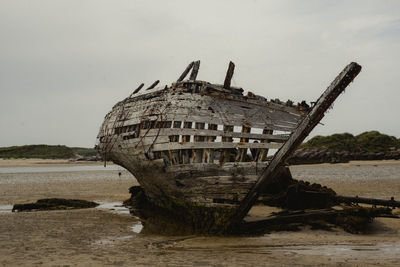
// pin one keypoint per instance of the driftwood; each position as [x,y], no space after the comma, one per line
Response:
[54,204]
[304,128]
[371,201]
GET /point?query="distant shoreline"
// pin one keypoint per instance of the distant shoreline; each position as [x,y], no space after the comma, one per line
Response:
[65,162]
[45,162]
[352,163]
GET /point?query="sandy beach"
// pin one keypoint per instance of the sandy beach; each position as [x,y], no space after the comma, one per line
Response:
[103,236]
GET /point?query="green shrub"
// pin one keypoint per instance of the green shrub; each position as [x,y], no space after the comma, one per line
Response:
[372,141]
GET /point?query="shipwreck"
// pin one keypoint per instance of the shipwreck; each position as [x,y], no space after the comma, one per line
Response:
[204,153]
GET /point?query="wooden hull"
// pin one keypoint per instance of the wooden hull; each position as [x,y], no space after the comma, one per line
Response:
[206,149]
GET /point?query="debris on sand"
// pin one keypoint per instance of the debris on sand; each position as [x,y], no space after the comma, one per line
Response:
[55,204]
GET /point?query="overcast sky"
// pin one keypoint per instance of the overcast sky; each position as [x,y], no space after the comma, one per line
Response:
[64,64]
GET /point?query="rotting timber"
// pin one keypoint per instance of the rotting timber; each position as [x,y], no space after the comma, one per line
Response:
[200,151]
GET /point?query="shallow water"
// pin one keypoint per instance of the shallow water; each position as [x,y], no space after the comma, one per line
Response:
[15,175]
[115,207]
[6,208]
[72,168]
[118,208]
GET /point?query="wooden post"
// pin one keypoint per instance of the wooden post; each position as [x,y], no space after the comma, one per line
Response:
[153,85]
[296,138]
[185,139]
[198,153]
[226,153]
[209,153]
[195,70]
[185,72]
[175,138]
[229,75]
[241,156]
[264,152]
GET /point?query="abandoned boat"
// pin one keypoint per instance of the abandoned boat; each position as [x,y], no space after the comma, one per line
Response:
[203,152]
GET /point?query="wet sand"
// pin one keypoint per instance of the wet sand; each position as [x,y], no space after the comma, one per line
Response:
[102,236]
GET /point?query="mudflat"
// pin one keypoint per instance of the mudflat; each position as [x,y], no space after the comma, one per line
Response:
[104,236]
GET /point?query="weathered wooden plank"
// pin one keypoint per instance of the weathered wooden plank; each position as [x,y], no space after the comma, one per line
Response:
[241,108]
[253,112]
[249,101]
[213,145]
[305,127]
[252,102]
[148,140]
[195,70]
[229,75]
[256,114]
[185,72]
[214,133]
[189,111]
[229,120]
[205,167]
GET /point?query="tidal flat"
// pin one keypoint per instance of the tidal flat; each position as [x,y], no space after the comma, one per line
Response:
[109,235]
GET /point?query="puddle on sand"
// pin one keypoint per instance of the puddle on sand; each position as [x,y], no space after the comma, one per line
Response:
[372,251]
[111,241]
[137,227]
[115,207]
[6,208]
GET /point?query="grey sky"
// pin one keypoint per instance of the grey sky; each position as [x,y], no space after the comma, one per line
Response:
[64,64]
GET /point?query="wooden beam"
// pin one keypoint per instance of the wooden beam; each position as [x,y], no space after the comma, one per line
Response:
[212,145]
[185,72]
[195,70]
[153,85]
[229,75]
[305,127]
[137,89]
[372,201]
[213,133]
